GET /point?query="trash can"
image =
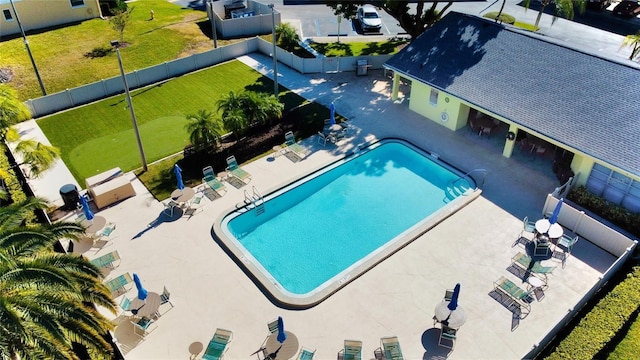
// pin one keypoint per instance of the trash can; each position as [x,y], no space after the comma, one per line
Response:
[70,196]
[361,67]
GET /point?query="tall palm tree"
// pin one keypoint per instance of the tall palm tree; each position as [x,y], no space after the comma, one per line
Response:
[37,155]
[12,110]
[44,295]
[236,122]
[286,37]
[204,130]
[632,41]
[564,8]
[233,115]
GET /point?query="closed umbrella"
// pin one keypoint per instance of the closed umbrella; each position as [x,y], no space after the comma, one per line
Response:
[453,304]
[281,335]
[178,172]
[554,216]
[85,208]
[142,292]
[332,117]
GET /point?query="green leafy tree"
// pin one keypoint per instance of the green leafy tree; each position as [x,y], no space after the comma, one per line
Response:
[12,110]
[564,8]
[120,20]
[44,295]
[632,41]
[424,16]
[204,130]
[287,37]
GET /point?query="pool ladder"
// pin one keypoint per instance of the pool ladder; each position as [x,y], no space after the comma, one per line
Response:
[256,199]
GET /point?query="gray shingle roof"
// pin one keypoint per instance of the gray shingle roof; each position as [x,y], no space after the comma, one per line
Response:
[586,102]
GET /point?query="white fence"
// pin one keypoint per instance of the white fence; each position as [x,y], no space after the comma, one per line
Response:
[139,78]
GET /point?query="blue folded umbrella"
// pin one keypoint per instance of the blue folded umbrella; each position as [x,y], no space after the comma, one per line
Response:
[85,208]
[332,111]
[142,292]
[556,212]
[453,304]
[178,172]
[281,334]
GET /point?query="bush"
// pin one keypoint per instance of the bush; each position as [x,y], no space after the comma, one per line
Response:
[596,330]
[616,214]
[99,52]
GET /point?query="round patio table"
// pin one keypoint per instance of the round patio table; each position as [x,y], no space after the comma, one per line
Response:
[451,318]
[147,307]
[555,231]
[542,226]
[184,195]
[95,225]
[275,350]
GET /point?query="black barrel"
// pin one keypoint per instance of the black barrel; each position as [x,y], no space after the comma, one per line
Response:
[70,196]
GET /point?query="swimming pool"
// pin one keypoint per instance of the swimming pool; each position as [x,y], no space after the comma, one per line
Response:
[309,238]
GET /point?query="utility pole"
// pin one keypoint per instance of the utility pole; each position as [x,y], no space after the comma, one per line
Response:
[26,44]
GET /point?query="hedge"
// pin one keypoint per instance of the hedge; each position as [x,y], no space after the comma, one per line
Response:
[11,182]
[596,330]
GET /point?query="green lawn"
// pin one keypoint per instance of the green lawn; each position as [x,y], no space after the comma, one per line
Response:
[60,53]
[99,136]
[359,48]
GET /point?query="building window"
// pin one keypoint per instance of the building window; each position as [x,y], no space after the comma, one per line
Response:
[433,99]
[7,15]
[75,3]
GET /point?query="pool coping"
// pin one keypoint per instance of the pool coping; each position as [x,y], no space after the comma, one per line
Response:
[276,295]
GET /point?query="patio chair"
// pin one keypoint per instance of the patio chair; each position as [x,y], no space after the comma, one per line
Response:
[447,337]
[119,285]
[143,326]
[218,345]
[541,248]
[515,295]
[194,205]
[448,294]
[323,138]
[209,178]
[165,298]
[352,350]
[273,326]
[236,171]
[293,146]
[107,260]
[527,227]
[565,244]
[306,354]
[125,304]
[169,206]
[391,348]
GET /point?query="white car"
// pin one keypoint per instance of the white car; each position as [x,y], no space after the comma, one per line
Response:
[369,18]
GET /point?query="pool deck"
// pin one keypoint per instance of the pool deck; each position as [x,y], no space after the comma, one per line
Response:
[397,297]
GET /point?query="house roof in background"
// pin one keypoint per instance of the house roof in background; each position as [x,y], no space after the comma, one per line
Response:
[583,101]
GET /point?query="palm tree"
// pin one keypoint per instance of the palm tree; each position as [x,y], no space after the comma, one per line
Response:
[37,155]
[204,130]
[564,8]
[44,295]
[233,115]
[632,41]
[236,122]
[286,37]
[12,110]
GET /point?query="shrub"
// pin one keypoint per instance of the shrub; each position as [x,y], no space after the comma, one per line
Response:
[99,52]
[599,326]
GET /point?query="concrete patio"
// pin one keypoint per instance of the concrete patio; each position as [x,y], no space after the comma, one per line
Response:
[397,297]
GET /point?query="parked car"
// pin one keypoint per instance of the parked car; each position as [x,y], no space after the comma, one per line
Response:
[369,18]
[627,9]
[598,4]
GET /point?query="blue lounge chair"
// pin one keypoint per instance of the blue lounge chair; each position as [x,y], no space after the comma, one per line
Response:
[391,348]
[119,285]
[236,171]
[218,345]
[352,350]
[210,179]
[306,354]
[107,260]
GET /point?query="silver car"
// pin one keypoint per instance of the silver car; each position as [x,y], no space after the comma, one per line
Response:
[369,18]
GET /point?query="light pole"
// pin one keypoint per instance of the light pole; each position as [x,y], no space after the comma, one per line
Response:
[275,58]
[26,44]
[116,45]
[213,25]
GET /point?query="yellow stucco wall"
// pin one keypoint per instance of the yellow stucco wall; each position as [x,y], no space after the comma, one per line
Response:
[37,14]
[448,111]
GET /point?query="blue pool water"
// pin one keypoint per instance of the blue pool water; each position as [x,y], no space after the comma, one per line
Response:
[316,229]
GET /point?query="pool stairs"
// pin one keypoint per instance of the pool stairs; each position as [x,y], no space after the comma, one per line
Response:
[461,185]
[254,198]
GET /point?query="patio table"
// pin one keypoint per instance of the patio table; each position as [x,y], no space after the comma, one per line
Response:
[452,318]
[147,307]
[183,196]
[275,350]
[95,225]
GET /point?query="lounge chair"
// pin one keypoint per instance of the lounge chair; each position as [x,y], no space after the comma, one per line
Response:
[119,285]
[447,337]
[391,348]
[293,146]
[218,345]
[516,295]
[352,350]
[107,260]
[209,178]
[306,354]
[525,262]
[236,171]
